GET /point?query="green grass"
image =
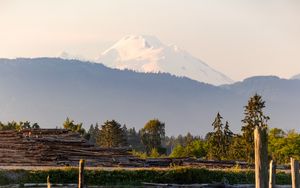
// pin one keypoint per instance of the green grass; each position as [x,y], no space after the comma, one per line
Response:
[134,177]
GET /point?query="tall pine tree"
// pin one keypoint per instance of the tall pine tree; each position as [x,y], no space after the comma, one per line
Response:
[216,139]
[254,116]
[228,137]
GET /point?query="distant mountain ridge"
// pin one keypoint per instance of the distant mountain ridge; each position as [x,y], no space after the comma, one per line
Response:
[47,90]
[296,77]
[147,54]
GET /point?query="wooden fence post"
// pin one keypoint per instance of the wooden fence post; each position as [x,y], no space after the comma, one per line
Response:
[272,174]
[261,157]
[295,173]
[81,174]
[48,182]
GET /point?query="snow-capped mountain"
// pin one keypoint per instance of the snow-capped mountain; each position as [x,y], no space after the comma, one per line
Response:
[148,54]
[296,77]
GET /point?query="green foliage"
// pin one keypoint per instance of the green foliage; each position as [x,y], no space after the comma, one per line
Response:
[216,140]
[172,142]
[70,125]
[18,125]
[134,139]
[134,177]
[142,155]
[236,149]
[93,133]
[228,139]
[195,148]
[283,145]
[220,140]
[178,152]
[254,116]
[112,134]
[152,134]
[154,153]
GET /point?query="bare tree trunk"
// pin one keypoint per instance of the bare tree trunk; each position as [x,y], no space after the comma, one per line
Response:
[295,173]
[81,174]
[272,174]
[261,157]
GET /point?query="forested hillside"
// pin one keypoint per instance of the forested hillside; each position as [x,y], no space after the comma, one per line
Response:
[47,90]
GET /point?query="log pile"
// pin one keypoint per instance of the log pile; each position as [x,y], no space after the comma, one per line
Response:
[52,147]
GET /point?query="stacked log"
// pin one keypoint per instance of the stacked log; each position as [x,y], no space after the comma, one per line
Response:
[52,147]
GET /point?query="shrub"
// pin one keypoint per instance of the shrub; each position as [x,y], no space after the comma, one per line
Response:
[135,177]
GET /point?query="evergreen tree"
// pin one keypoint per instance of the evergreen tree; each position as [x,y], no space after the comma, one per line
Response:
[228,136]
[216,139]
[180,140]
[188,138]
[111,135]
[134,139]
[254,116]
[91,133]
[237,149]
[170,143]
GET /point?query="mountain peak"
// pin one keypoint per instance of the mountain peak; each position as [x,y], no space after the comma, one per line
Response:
[296,77]
[136,42]
[146,40]
[144,53]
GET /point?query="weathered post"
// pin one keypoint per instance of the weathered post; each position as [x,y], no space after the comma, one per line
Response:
[272,174]
[81,174]
[261,157]
[48,182]
[295,173]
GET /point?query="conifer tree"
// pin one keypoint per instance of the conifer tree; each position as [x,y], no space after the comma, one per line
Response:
[237,148]
[188,138]
[228,136]
[94,133]
[111,135]
[216,139]
[91,133]
[254,116]
[134,139]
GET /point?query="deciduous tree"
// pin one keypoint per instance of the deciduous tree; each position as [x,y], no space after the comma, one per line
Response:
[152,135]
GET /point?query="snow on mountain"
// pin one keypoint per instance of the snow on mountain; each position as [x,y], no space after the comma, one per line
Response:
[296,77]
[148,54]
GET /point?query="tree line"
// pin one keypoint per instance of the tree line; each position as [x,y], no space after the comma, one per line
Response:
[220,144]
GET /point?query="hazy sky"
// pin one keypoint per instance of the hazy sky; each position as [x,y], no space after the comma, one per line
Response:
[240,38]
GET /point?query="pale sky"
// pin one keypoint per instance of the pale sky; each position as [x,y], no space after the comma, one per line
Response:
[240,38]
